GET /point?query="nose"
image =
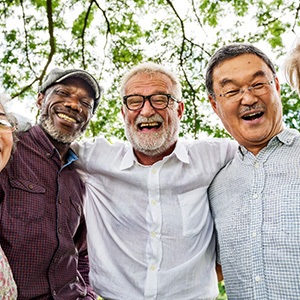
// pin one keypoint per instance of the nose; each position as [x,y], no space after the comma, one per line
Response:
[74,105]
[248,98]
[147,110]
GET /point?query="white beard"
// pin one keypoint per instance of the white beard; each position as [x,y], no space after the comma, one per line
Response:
[56,134]
[156,143]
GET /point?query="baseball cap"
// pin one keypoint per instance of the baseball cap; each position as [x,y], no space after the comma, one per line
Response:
[57,75]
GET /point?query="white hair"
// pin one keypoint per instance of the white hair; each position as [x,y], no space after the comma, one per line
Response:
[152,68]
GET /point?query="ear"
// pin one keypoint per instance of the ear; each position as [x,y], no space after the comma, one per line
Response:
[40,99]
[122,111]
[180,109]
[277,85]
[213,104]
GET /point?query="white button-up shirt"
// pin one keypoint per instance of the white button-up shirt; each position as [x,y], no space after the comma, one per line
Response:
[150,231]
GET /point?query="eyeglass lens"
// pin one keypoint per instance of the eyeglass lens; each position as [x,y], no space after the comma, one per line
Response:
[159,101]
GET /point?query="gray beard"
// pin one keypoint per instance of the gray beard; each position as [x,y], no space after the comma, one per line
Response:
[57,135]
[153,144]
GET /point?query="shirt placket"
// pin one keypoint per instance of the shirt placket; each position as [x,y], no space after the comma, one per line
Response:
[154,222]
[256,230]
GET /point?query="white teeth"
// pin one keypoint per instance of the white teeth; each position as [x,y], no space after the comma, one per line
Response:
[251,115]
[152,124]
[65,117]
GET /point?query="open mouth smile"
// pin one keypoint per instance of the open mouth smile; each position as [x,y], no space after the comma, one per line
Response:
[149,125]
[252,116]
[66,118]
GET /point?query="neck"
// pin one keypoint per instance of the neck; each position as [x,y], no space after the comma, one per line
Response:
[148,160]
[256,148]
[62,148]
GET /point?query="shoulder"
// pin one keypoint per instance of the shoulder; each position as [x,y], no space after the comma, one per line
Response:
[213,146]
[97,146]
[98,153]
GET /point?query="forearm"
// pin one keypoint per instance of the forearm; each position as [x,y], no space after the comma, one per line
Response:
[219,272]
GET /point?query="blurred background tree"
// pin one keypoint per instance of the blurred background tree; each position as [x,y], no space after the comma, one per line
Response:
[107,38]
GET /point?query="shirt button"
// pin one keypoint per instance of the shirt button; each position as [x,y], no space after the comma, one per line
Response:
[153,171]
[254,234]
[30,186]
[60,230]
[153,268]
[254,196]
[54,293]
[257,278]
[153,202]
[153,234]
[59,201]
[256,165]
[48,154]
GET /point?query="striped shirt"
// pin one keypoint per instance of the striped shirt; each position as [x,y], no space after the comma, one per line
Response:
[255,202]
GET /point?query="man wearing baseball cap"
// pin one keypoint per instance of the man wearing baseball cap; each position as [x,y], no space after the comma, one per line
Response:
[43,231]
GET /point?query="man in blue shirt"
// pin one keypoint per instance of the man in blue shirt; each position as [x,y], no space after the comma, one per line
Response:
[255,198]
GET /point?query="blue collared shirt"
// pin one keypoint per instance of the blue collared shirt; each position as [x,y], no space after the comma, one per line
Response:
[255,202]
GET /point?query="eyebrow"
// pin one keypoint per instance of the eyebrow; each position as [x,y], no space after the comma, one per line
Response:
[226,81]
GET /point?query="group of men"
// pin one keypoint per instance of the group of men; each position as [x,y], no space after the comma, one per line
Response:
[134,220]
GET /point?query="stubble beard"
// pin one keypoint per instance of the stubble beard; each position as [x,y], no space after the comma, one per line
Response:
[55,133]
[154,143]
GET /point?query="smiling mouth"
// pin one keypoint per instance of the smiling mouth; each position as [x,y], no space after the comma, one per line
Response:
[66,118]
[252,116]
[149,125]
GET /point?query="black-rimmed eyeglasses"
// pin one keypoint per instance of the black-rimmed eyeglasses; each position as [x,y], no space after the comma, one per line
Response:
[157,101]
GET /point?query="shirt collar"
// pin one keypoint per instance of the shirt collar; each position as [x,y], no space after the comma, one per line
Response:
[286,136]
[41,138]
[71,156]
[180,152]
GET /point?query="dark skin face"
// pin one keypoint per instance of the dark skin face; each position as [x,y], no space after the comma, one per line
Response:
[69,105]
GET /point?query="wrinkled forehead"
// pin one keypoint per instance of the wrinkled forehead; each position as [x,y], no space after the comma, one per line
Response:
[79,83]
[244,67]
[158,82]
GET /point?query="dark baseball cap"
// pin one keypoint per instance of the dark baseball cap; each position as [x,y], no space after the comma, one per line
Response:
[57,75]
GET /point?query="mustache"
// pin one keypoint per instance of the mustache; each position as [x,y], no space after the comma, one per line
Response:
[252,107]
[154,118]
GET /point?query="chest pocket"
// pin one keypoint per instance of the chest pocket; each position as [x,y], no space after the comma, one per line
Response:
[74,216]
[195,211]
[26,200]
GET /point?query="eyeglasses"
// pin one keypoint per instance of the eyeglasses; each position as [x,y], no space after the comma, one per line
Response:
[257,89]
[6,126]
[157,101]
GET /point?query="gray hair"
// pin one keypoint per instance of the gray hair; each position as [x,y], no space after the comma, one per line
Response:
[152,69]
[228,52]
[292,68]
[10,117]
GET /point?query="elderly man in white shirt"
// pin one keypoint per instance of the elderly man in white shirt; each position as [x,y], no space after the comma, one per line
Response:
[150,231]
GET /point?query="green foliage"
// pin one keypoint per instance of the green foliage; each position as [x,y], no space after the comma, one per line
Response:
[291,107]
[222,292]
[109,37]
